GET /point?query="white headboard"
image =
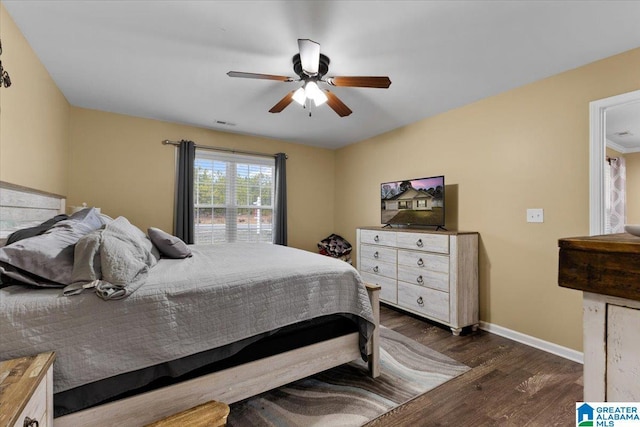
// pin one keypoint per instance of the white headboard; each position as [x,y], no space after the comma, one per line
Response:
[22,207]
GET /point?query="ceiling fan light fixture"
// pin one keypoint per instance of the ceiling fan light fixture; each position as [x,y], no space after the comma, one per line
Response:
[320,99]
[299,96]
[312,91]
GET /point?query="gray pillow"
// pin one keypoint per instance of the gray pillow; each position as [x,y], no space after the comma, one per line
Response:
[49,256]
[168,245]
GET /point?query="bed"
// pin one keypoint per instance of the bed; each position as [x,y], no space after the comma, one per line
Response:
[192,317]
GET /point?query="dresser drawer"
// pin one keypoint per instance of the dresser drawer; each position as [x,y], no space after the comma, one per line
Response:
[421,277]
[424,242]
[378,253]
[36,408]
[430,302]
[389,287]
[378,268]
[377,237]
[425,261]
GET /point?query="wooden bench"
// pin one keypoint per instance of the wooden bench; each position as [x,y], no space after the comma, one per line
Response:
[210,414]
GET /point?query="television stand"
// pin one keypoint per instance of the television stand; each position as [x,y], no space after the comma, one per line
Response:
[438,227]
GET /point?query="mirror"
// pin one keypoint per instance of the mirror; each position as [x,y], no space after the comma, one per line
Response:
[615,132]
[622,163]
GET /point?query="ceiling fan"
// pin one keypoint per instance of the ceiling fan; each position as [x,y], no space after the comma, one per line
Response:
[311,66]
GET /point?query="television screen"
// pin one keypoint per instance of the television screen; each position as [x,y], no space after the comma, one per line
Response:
[413,201]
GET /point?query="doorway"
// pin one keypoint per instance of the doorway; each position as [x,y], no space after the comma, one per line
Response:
[598,191]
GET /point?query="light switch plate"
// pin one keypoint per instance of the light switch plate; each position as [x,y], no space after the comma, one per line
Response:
[535,215]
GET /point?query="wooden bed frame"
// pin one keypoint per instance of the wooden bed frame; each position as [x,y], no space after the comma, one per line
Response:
[20,206]
[229,385]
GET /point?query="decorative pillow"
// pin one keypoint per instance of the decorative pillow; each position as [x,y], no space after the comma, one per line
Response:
[25,233]
[168,245]
[335,246]
[49,256]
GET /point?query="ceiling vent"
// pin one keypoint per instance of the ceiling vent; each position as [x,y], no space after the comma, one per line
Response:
[623,133]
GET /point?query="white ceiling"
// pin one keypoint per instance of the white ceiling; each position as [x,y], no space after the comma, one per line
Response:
[623,127]
[168,60]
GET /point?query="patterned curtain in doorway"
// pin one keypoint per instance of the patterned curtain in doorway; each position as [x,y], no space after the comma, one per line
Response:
[617,194]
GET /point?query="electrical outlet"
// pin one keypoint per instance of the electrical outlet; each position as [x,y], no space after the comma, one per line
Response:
[535,215]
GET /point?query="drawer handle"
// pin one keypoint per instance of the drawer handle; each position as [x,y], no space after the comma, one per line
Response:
[28,422]
[419,243]
[375,269]
[375,255]
[420,262]
[376,239]
[420,301]
[420,280]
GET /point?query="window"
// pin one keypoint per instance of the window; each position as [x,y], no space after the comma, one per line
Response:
[234,196]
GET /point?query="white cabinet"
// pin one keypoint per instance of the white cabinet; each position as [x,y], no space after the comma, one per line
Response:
[623,347]
[429,273]
[611,349]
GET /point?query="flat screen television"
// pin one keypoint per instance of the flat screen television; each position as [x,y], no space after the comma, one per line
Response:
[417,201]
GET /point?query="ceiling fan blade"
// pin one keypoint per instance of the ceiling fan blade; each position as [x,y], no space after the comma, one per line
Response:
[283,103]
[309,56]
[338,106]
[362,81]
[259,76]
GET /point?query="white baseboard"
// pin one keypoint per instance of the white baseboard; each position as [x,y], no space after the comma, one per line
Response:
[549,347]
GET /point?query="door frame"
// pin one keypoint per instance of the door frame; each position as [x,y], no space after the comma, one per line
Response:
[598,143]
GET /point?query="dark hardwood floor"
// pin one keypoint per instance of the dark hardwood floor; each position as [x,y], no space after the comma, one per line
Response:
[509,384]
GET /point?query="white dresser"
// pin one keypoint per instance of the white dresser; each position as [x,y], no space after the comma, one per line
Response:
[433,274]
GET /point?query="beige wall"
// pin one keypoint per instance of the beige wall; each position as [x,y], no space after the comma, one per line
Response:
[525,148]
[633,187]
[34,118]
[119,164]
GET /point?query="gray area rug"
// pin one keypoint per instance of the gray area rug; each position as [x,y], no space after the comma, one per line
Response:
[346,395]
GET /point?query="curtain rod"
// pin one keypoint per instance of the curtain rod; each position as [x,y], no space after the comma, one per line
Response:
[228,150]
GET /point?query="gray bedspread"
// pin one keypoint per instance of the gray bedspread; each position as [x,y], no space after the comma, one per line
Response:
[114,260]
[222,294]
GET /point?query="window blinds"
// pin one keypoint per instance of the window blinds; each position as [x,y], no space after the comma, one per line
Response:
[233,198]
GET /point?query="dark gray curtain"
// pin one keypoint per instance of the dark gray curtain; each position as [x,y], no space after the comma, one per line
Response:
[184,214]
[280,214]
